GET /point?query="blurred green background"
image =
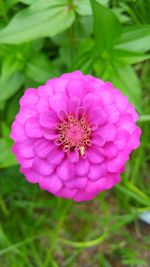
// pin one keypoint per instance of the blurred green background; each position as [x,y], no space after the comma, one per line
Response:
[40,39]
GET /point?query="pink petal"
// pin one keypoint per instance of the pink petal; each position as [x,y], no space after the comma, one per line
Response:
[75,74]
[77,183]
[50,134]
[108,132]
[30,97]
[26,148]
[95,155]
[80,112]
[17,132]
[25,113]
[121,101]
[83,196]
[75,88]
[52,184]
[58,102]
[47,89]
[48,119]
[117,163]
[121,139]
[60,85]
[131,110]
[134,140]
[65,170]
[98,116]
[66,192]
[97,139]
[111,180]
[32,128]
[91,101]
[56,156]
[42,147]
[97,171]
[96,186]
[110,150]
[126,122]
[43,104]
[43,166]
[107,97]
[82,167]
[27,163]
[73,103]
[31,175]
[73,156]
[112,112]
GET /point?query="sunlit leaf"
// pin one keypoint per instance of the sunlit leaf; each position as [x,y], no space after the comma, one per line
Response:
[44,18]
[135,39]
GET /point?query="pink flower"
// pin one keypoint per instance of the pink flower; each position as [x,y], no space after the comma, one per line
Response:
[74,135]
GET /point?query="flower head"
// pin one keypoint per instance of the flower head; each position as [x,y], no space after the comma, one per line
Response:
[74,135]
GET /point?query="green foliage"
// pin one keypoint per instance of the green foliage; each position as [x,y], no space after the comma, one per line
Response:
[135,39]
[40,39]
[42,19]
[107,28]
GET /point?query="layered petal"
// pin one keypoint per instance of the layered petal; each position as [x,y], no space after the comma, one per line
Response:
[33,128]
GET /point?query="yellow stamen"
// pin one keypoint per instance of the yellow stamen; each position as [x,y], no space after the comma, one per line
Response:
[82,150]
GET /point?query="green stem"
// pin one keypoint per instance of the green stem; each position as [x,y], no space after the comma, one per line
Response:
[144,118]
[86,244]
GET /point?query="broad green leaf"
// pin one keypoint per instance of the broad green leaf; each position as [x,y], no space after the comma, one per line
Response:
[135,39]
[42,19]
[6,157]
[126,80]
[83,7]
[40,69]
[107,28]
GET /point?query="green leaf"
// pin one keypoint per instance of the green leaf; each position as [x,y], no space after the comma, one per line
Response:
[42,19]
[40,69]
[127,57]
[7,159]
[83,7]
[126,80]
[83,59]
[10,86]
[10,65]
[10,3]
[28,2]
[107,28]
[135,39]
[12,78]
